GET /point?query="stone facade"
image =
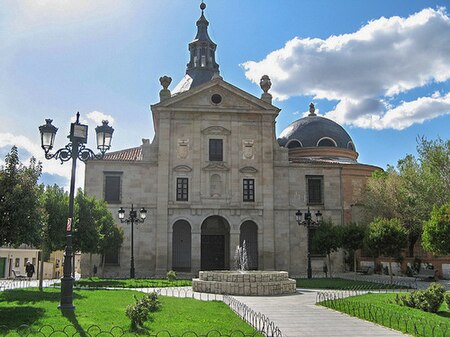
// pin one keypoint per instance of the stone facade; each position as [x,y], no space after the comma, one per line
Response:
[200,206]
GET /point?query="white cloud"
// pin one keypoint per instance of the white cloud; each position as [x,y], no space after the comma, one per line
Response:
[51,166]
[97,117]
[364,69]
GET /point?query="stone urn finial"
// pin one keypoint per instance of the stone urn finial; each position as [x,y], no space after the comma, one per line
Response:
[265,85]
[165,82]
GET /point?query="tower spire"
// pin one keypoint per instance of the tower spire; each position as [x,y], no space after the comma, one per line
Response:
[202,66]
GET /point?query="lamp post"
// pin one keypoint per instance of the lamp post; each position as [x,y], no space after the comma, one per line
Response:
[132,218]
[76,149]
[309,224]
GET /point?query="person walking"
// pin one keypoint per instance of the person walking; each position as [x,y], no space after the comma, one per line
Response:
[29,270]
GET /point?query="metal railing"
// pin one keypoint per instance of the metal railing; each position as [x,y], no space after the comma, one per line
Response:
[24,283]
[338,300]
[116,331]
[257,320]
[401,283]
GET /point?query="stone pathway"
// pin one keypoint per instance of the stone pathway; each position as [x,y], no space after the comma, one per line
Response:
[298,316]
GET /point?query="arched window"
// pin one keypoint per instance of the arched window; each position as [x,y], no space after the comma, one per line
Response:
[326,142]
[350,146]
[293,144]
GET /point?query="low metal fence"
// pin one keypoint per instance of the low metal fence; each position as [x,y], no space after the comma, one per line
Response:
[402,283]
[257,320]
[116,331]
[338,300]
[183,292]
[24,283]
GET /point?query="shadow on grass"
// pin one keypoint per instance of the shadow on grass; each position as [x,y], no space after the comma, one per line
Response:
[70,315]
[23,296]
[14,317]
[445,314]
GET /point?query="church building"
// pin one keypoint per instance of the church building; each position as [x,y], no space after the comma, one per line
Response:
[215,174]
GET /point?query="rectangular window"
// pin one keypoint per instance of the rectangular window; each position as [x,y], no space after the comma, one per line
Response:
[112,189]
[25,260]
[315,190]
[216,150]
[17,262]
[249,189]
[182,189]
[33,261]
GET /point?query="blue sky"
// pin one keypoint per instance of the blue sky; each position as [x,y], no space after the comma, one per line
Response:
[380,68]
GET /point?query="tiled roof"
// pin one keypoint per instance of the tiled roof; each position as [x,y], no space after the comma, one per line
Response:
[133,154]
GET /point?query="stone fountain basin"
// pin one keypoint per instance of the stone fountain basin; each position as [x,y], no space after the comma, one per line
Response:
[245,283]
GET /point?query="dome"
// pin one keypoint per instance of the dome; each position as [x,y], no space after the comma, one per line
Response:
[315,131]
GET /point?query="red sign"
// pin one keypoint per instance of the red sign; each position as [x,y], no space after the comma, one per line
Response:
[69,224]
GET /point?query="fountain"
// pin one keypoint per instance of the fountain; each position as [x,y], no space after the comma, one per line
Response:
[243,281]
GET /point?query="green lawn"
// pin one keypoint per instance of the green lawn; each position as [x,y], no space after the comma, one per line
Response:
[382,309]
[342,284]
[106,308]
[130,283]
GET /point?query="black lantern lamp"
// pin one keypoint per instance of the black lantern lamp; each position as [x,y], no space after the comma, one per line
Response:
[309,224]
[132,218]
[48,133]
[104,136]
[76,149]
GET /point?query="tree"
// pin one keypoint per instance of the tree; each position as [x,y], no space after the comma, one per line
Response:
[20,214]
[410,190]
[95,231]
[86,227]
[326,240]
[351,238]
[387,237]
[436,231]
[56,206]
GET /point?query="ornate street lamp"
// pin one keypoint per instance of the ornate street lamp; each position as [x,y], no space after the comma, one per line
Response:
[309,224]
[132,218]
[76,149]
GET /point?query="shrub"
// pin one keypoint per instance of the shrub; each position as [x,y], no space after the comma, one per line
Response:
[152,302]
[171,275]
[447,300]
[138,311]
[427,300]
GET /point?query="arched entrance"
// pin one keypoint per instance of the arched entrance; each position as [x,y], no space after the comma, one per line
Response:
[249,233]
[181,246]
[215,244]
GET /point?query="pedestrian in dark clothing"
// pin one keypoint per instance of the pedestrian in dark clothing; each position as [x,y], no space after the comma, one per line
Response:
[29,269]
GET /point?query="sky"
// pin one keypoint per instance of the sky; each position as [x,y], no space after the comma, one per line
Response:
[379,68]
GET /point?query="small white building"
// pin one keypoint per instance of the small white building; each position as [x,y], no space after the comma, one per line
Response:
[14,260]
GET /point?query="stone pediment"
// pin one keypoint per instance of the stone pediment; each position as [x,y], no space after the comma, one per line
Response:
[216,166]
[182,168]
[226,97]
[248,169]
[216,130]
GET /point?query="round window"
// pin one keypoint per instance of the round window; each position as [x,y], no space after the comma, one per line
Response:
[216,99]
